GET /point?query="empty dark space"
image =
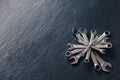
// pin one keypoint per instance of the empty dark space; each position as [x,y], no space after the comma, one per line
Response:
[34,34]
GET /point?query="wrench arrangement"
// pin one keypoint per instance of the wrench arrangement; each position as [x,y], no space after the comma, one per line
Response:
[89,48]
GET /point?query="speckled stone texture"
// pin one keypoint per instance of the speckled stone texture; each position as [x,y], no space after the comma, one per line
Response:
[34,34]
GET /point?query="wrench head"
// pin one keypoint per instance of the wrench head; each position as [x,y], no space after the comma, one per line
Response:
[74,58]
[106,39]
[74,30]
[103,51]
[97,67]
[86,60]
[109,45]
[67,54]
[82,31]
[105,65]
[107,33]
[85,30]
[93,32]
[70,46]
[79,30]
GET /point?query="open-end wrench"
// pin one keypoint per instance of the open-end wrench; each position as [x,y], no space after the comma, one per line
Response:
[80,39]
[84,34]
[75,58]
[107,45]
[75,46]
[104,41]
[73,52]
[103,63]
[103,51]
[96,64]
[78,36]
[93,33]
[87,56]
[105,34]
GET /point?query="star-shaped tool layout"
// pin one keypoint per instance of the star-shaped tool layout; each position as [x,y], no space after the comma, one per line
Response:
[89,48]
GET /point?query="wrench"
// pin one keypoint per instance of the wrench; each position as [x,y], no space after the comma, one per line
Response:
[84,34]
[80,39]
[105,34]
[103,63]
[75,58]
[73,46]
[73,52]
[96,64]
[78,36]
[107,45]
[87,56]
[104,41]
[93,33]
[103,51]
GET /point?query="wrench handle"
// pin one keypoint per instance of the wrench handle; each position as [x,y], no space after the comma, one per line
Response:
[87,56]
[100,60]
[96,64]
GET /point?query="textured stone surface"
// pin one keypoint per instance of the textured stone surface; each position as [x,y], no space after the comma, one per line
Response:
[34,33]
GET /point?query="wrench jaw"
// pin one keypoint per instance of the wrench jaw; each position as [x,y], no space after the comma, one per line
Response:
[103,51]
[105,65]
[70,46]
[75,59]
[83,32]
[105,40]
[93,32]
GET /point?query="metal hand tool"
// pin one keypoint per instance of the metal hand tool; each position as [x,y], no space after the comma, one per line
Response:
[87,56]
[96,64]
[103,63]
[84,34]
[104,40]
[78,36]
[105,34]
[74,46]
[75,58]
[103,51]
[73,52]
[107,45]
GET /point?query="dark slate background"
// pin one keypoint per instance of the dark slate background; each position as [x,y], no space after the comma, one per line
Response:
[34,34]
